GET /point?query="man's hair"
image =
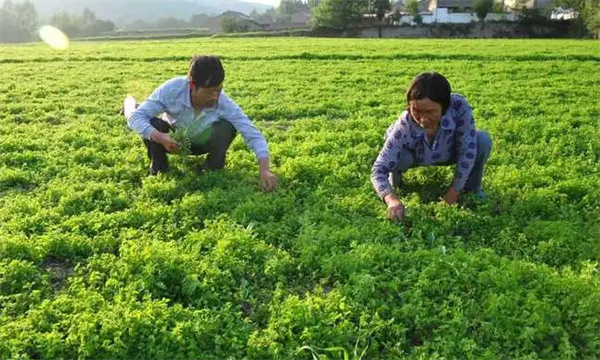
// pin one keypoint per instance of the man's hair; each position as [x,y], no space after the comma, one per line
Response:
[206,71]
[430,85]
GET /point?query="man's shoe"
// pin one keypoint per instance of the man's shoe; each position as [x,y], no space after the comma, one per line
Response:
[153,172]
[129,106]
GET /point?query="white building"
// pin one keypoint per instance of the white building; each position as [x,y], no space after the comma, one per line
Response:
[450,11]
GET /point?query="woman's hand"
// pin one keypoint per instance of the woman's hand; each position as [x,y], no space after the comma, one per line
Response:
[395,210]
[451,196]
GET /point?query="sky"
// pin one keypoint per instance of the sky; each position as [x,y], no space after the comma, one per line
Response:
[274,3]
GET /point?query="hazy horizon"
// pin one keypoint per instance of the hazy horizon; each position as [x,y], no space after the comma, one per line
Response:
[128,11]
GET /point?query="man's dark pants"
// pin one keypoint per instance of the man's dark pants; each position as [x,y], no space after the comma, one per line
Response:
[221,135]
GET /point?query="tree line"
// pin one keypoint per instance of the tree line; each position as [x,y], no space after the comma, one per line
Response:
[20,19]
[20,22]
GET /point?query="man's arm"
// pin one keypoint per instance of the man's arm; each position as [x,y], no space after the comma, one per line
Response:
[139,120]
[252,137]
[231,112]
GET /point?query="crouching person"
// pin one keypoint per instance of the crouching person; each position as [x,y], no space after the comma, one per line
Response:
[437,129]
[198,104]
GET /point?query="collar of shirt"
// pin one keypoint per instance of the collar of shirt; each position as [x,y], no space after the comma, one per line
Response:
[446,127]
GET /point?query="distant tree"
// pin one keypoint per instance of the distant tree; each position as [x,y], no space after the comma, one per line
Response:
[81,26]
[587,11]
[287,9]
[102,26]
[18,21]
[87,17]
[531,14]
[27,16]
[139,25]
[413,9]
[291,7]
[200,20]
[339,14]
[498,7]
[271,12]
[91,26]
[396,16]
[312,4]
[230,24]
[527,15]
[254,14]
[171,23]
[66,23]
[268,17]
[592,17]
[380,8]
[482,8]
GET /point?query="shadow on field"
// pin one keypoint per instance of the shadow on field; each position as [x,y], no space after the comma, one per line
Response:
[428,192]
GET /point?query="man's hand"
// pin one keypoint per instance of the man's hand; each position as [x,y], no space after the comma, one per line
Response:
[267,178]
[395,210]
[451,196]
[165,140]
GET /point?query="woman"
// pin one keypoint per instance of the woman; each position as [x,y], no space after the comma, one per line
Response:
[437,129]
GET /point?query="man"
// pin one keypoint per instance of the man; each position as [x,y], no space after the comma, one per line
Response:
[196,102]
[437,129]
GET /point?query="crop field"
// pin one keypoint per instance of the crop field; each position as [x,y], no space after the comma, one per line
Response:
[100,261]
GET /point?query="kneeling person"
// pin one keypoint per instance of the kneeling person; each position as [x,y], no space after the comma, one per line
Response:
[196,103]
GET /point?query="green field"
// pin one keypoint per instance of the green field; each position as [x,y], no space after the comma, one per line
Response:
[99,261]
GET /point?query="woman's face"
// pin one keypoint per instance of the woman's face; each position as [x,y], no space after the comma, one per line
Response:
[426,113]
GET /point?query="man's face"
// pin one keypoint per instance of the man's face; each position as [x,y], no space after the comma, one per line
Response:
[206,96]
[426,113]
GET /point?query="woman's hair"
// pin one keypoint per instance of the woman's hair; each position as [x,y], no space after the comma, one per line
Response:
[206,71]
[430,85]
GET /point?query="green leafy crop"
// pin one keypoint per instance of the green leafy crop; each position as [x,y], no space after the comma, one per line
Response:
[100,261]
